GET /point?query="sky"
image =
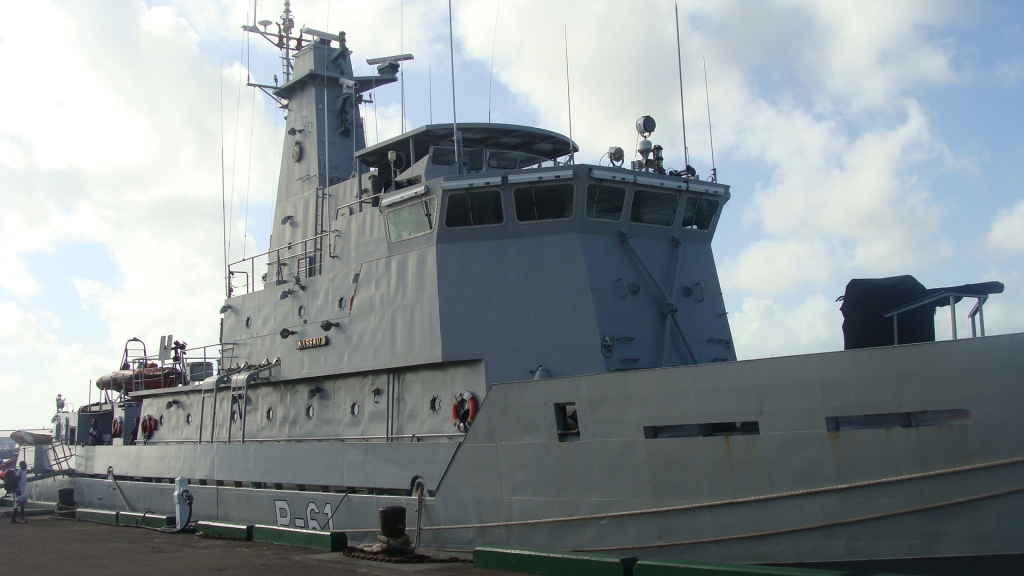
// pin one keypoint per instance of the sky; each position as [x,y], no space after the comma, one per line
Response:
[860,139]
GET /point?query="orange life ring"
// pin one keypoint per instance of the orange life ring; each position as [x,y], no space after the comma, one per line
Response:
[464,410]
[148,425]
[116,427]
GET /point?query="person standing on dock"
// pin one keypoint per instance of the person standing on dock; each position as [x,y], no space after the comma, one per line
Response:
[20,499]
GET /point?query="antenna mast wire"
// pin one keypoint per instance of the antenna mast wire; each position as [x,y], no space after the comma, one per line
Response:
[223,193]
[455,123]
[234,142]
[401,49]
[252,124]
[714,171]
[568,92]
[682,106]
[490,79]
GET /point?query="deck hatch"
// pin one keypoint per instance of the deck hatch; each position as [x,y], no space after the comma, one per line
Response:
[707,429]
[956,417]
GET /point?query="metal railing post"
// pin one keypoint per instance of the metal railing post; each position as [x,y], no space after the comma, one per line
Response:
[952,314]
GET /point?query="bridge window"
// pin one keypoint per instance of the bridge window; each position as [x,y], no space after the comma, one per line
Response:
[699,212]
[544,202]
[653,207]
[442,156]
[474,208]
[411,220]
[605,202]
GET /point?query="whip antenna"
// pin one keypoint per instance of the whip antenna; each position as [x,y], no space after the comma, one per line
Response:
[714,171]
[568,92]
[223,194]
[682,106]
[490,80]
[455,123]
[401,48]
[430,93]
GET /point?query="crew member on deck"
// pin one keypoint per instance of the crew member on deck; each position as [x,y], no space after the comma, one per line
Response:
[95,435]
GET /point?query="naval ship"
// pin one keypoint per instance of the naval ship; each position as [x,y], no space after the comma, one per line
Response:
[535,353]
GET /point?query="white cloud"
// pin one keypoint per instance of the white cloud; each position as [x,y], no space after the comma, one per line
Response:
[1006,234]
[1010,73]
[773,267]
[766,328]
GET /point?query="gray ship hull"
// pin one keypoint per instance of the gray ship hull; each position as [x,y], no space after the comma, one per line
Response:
[826,476]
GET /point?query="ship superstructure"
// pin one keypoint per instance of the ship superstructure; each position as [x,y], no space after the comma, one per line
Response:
[542,350]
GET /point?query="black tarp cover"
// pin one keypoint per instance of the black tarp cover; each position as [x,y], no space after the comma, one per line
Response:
[868,299]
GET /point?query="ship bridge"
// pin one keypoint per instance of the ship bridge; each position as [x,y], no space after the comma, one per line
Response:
[485,147]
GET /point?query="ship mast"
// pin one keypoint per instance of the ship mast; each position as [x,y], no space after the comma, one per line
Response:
[283,38]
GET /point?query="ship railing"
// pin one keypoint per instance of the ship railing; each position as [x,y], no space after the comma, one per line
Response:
[377,438]
[976,315]
[195,364]
[298,259]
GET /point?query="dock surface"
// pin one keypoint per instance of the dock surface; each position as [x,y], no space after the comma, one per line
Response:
[55,546]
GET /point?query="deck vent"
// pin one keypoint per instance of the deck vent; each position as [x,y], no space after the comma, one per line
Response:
[703,430]
[957,417]
[567,422]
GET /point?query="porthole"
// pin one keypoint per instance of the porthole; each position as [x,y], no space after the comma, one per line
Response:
[270,414]
[235,416]
[188,419]
[354,409]
[435,404]
[309,411]
[161,419]
[302,311]
[248,322]
[343,302]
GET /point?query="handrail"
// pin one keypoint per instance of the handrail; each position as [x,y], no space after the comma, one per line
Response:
[975,311]
[279,261]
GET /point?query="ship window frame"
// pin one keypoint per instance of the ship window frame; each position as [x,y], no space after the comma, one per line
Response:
[603,184]
[893,420]
[439,155]
[697,200]
[545,184]
[632,204]
[468,191]
[567,421]
[413,201]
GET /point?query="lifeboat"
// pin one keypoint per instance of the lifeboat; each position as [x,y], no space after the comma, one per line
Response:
[26,438]
[152,377]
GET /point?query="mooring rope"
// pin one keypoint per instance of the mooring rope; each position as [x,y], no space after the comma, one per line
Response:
[807,527]
[748,499]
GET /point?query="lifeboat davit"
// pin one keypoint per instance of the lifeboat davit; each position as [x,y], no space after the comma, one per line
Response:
[152,377]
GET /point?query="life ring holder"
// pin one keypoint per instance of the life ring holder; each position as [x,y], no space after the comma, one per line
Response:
[462,418]
[148,425]
[116,427]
